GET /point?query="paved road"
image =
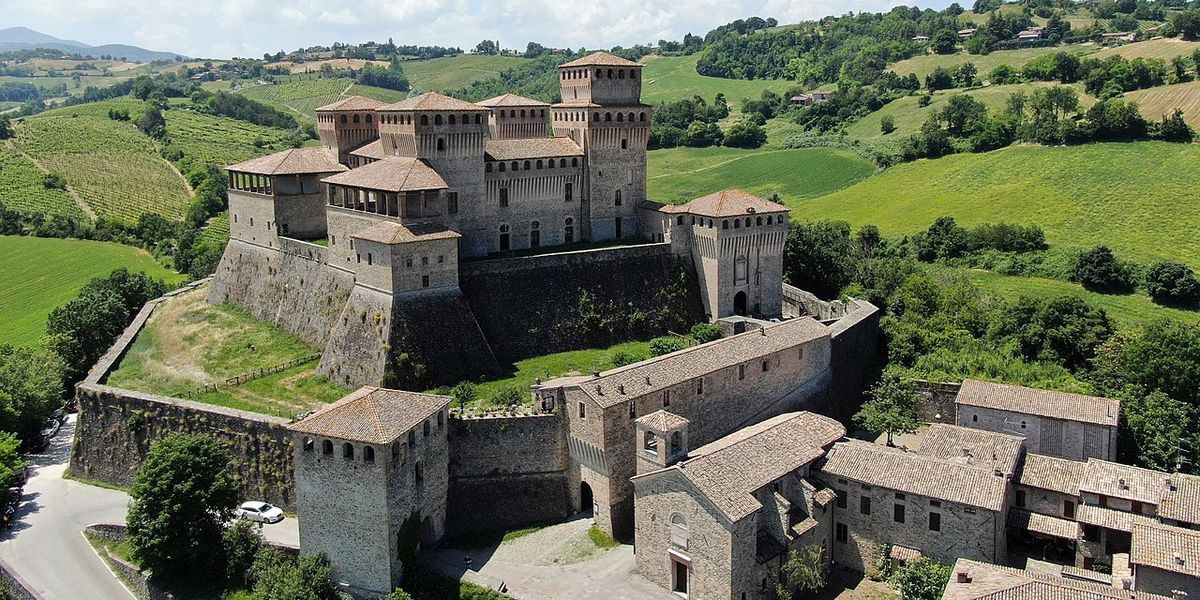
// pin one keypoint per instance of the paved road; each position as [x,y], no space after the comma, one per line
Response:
[46,547]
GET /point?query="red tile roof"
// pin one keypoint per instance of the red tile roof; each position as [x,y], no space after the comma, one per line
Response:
[432,101]
[353,103]
[391,174]
[294,161]
[372,415]
[731,203]
[599,59]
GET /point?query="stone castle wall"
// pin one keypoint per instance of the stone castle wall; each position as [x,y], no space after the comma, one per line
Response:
[527,306]
[937,400]
[290,287]
[507,472]
[855,357]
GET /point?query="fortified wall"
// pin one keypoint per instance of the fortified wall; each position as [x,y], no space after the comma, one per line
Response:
[533,305]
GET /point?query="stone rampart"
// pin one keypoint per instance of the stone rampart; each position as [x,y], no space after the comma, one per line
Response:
[292,286]
[937,400]
[507,472]
[855,357]
[528,306]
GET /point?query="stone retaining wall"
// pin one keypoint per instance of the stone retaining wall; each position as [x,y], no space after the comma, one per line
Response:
[15,588]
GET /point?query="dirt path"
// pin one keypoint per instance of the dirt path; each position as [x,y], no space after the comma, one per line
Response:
[87,210]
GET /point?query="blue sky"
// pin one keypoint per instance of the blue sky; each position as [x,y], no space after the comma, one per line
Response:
[226,28]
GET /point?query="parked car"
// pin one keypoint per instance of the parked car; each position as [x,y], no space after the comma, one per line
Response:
[59,415]
[260,512]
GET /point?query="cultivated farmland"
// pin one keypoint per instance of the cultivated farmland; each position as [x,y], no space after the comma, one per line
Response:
[1163,100]
[667,78]
[221,140]
[456,72]
[38,275]
[21,187]
[301,96]
[924,65]
[1165,48]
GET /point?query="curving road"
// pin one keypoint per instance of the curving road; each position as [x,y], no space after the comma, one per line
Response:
[46,547]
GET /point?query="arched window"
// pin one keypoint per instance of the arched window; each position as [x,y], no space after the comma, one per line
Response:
[747,221]
[534,226]
[758,221]
[308,444]
[679,530]
[451,121]
[620,118]
[539,164]
[355,119]
[607,116]
[650,442]
[347,450]
[550,164]
[569,231]
[737,223]
[343,119]
[515,166]
[501,167]
[418,473]
[477,119]
[526,165]
[424,119]
[368,118]
[598,73]
[441,419]
[768,219]
[617,198]
[425,427]
[437,119]
[522,113]
[503,228]
[562,162]
[441,145]
[368,454]
[326,447]
[620,73]
[609,74]
[574,162]
[595,116]
[725,224]
[465,119]
[630,117]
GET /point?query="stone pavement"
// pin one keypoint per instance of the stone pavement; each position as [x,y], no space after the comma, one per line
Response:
[552,563]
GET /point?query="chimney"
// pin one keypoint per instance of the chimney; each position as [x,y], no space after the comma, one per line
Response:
[1170,485]
[964,577]
[595,373]
[1123,483]
[621,389]
[599,390]
[647,380]
[1179,559]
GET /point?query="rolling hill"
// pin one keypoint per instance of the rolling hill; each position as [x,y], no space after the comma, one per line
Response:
[667,78]
[1137,198]
[1163,100]
[456,72]
[23,38]
[301,96]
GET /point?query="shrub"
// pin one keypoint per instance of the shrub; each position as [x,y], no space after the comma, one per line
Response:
[887,124]
[601,538]
[241,542]
[706,332]
[745,134]
[509,396]
[817,257]
[1172,283]
[921,579]
[464,393]
[621,358]
[1099,270]
[666,345]
[924,100]
[54,181]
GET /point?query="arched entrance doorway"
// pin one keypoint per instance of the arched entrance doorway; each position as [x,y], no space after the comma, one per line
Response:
[739,304]
[586,503]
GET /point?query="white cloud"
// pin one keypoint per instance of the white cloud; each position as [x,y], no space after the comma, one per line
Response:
[220,28]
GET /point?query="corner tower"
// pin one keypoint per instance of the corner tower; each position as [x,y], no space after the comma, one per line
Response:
[347,124]
[602,111]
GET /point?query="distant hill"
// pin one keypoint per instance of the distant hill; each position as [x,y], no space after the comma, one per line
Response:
[23,38]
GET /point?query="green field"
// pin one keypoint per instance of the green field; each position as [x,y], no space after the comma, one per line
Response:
[189,343]
[1163,100]
[1138,198]
[112,166]
[924,65]
[456,72]
[667,78]
[1127,310]
[21,187]
[301,96]
[680,174]
[1165,48]
[909,116]
[221,140]
[38,275]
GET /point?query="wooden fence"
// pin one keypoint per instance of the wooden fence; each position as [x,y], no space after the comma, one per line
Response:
[252,375]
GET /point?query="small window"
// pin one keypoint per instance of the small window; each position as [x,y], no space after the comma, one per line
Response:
[864,505]
[617,198]
[700,386]
[308,445]
[766,366]
[412,437]
[741,372]
[842,534]
[649,440]
[369,259]
[452,202]
[582,411]
[326,447]
[666,398]
[841,498]
[503,196]
[679,530]
[1021,498]
[347,450]
[395,449]
[974,418]
[898,513]
[425,427]
[368,454]
[899,496]
[425,281]
[418,473]
[935,521]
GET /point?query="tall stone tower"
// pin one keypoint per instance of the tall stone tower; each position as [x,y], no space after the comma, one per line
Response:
[450,135]
[372,474]
[348,124]
[602,111]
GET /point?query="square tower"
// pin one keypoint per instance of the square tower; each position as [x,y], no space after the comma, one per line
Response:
[280,195]
[371,475]
[603,112]
[517,117]
[662,439]
[347,124]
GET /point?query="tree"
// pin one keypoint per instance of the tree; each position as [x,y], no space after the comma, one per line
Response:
[963,115]
[921,579]
[31,387]
[944,41]
[1174,128]
[279,576]
[887,124]
[966,75]
[939,79]
[1066,329]
[11,462]
[1187,23]
[706,332]
[1156,431]
[241,542]
[985,6]
[817,257]
[891,409]
[702,135]
[745,134]
[803,575]
[6,130]
[943,240]
[152,123]
[1172,283]
[1162,356]
[534,50]
[464,393]
[1004,74]
[487,47]
[1099,270]
[181,498]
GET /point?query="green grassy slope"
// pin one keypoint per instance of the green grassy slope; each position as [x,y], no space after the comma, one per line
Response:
[1166,48]
[38,275]
[1138,198]
[301,96]
[667,78]
[1163,100]
[21,187]
[221,140]
[681,174]
[456,72]
[924,65]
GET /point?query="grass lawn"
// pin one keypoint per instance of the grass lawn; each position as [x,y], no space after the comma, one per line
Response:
[1128,310]
[678,175]
[925,64]
[302,95]
[38,275]
[667,78]
[1138,198]
[456,72]
[1163,100]
[188,343]
[523,373]
[1165,48]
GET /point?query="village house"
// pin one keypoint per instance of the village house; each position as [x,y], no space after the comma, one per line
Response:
[1165,560]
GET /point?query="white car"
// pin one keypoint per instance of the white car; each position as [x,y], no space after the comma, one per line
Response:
[260,511]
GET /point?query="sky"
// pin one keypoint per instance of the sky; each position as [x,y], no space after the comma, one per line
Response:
[248,28]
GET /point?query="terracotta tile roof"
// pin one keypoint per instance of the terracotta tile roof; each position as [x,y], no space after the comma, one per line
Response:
[511,100]
[390,232]
[392,174]
[1052,473]
[905,553]
[731,203]
[974,447]
[432,101]
[372,415]
[913,473]
[1123,481]
[995,582]
[729,470]
[1043,403]
[1182,503]
[521,149]
[369,150]
[1108,518]
[597,59]
[662,421]
[293,161]
[619,385]
[1044,524]
[660,207]
[353,103]
[1168,548]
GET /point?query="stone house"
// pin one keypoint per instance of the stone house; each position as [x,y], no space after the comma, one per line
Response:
[1165,561]
[717,522]
[371,475]
[1059,424]
[745,378]
[939,508]
[974,580]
